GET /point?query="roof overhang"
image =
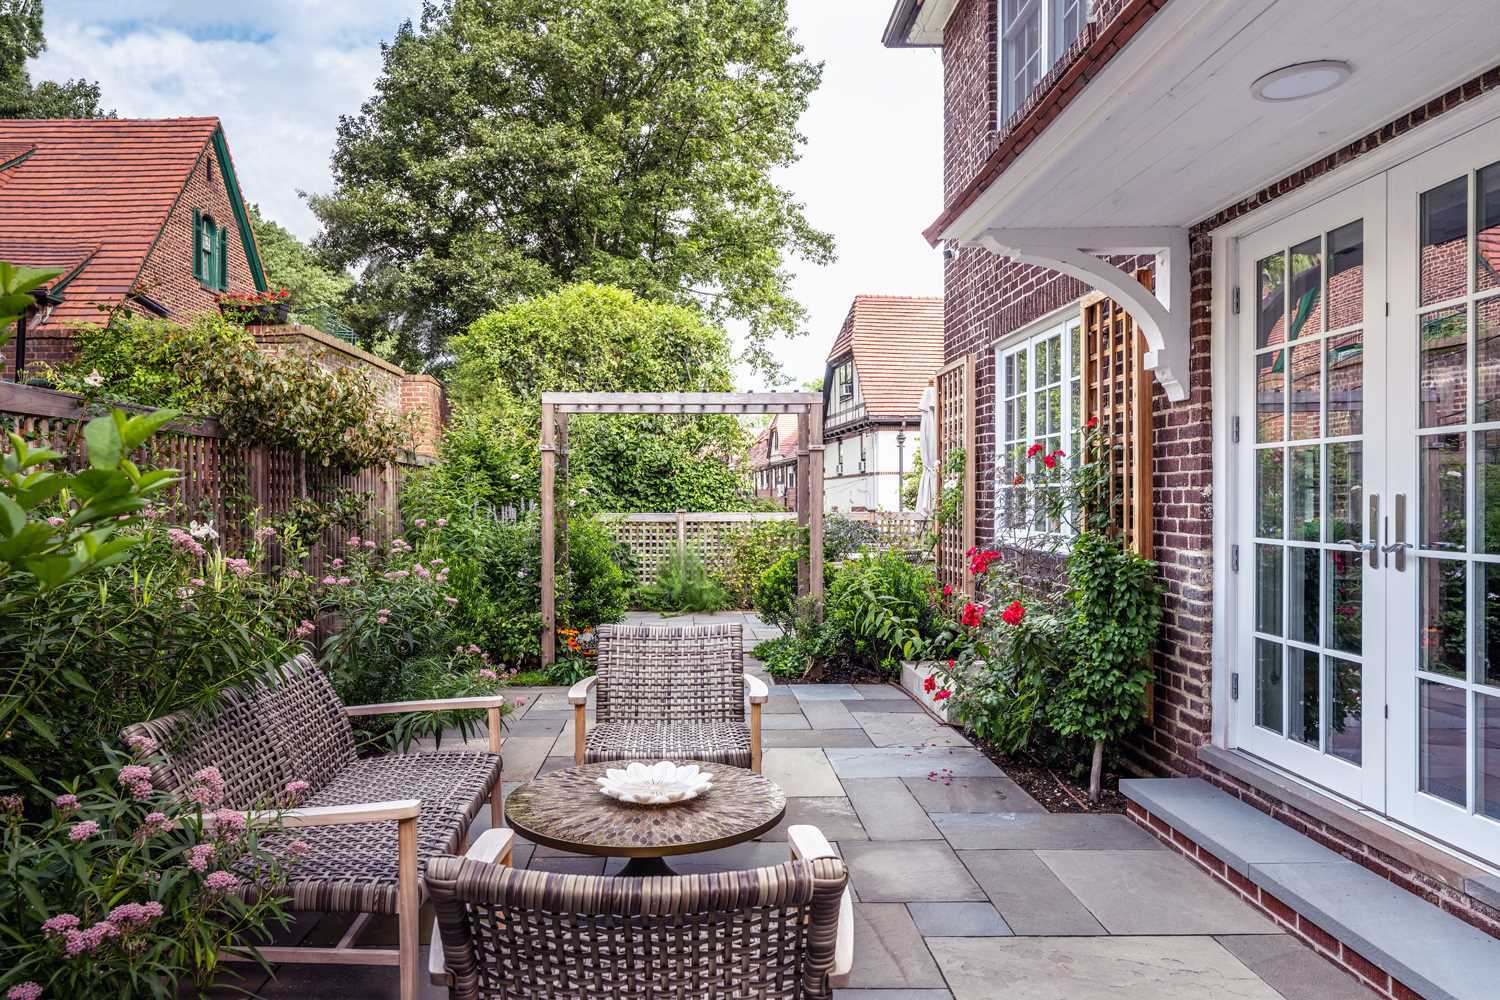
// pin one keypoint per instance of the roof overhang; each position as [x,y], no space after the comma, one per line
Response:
[1183,137]
[917,23]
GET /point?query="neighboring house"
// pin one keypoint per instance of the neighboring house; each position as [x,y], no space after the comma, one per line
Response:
[773,461]
[144,215]
[886,354]
[1313,197]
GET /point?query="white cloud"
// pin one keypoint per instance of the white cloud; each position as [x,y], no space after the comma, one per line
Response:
[280,72]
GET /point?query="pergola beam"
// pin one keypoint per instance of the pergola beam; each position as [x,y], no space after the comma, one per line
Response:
[555,409]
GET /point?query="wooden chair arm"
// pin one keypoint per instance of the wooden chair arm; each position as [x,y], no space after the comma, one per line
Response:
[756,690]
[430,705]
[578,694]
[807,843]
[492,847]
[364,812]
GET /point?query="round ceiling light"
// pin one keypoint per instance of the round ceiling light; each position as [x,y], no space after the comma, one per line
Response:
[1299,80]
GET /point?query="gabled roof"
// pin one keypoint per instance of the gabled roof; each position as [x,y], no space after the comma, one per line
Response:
[785,425]
[897,344]
[97,193]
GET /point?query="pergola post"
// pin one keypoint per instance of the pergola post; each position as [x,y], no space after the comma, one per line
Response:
[815,506]
[804,570]
[549,534]
[567,488]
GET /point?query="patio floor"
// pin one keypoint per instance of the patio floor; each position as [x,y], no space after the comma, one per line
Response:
[966,888]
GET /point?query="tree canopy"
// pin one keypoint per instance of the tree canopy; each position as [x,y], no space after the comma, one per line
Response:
[317,291]
[514,146]
[21,38]
[588,337]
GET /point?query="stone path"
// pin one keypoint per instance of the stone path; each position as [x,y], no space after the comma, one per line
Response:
[966,888]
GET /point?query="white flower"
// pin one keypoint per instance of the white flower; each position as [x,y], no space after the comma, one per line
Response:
[514,476]
[93,379]
[583,491]
[202,531]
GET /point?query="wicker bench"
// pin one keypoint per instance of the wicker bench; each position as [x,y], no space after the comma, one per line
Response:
[781,933]
[371,823]
[670,693]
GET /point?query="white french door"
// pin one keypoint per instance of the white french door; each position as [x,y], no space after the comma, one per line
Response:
[1444,604]
[1368,644]
[1310,652]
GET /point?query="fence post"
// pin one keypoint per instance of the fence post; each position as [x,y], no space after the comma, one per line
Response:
[681,533]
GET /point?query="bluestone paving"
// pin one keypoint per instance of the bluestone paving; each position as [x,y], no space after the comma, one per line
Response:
[958,920]
[892,995]
[835,817]
[888,706]
[1030,831]
[1028,895]
[1293,969]
[908,871]
[911,762]
[1152,892]
[787,720]
[889,951]
[972,795]
[887,729]
[814,738]
[824,692]
[801,771]
[824,715]
[888,810]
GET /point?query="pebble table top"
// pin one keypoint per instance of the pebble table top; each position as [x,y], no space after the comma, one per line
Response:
[565,809]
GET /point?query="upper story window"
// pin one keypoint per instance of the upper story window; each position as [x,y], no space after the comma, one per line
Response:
[1033,34]
[1040,403]
[210,252]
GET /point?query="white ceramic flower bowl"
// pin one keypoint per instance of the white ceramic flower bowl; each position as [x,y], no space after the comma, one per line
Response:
[658,784]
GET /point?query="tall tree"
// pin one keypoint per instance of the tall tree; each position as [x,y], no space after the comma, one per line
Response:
[318,292]
[513,146]
[21,39]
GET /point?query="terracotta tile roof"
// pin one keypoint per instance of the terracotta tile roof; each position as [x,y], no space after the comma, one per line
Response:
[786,439]
[107,184]
[897,343]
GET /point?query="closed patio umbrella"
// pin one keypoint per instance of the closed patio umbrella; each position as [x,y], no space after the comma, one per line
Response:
[927,488]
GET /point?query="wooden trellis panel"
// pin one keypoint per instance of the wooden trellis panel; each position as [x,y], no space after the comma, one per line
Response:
[653,537]
[955,417]
[1117,391]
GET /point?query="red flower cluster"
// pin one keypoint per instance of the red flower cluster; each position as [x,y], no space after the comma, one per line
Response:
[944,693]
[979,560]
[253,298]
[972,614]
[1014,613]
[947,590]
[929,683]
[1093,422]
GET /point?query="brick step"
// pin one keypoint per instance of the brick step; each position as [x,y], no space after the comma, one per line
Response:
[1398,943]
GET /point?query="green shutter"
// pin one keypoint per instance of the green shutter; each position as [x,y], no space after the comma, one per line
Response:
[221,258]
[197,245]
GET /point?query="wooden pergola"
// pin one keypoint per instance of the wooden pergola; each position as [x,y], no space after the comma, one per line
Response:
[558,406]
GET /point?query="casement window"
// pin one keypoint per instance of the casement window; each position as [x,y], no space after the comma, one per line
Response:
[1040,401]
[210,252]
[1033,35]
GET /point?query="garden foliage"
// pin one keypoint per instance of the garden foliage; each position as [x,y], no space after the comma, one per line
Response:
[682,584]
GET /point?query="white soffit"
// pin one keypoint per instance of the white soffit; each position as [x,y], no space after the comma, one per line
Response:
[1169,133]
[932,18]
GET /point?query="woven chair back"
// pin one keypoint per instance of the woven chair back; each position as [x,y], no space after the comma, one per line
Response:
[290,726]
[671,673]
[766,934]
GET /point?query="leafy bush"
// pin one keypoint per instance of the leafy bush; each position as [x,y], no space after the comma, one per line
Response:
[682,584]
[115,890]
[784,657]
[880,610]
[751,552]
[775,594]
[844,537]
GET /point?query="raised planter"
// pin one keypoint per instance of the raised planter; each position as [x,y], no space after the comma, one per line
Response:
[914,678]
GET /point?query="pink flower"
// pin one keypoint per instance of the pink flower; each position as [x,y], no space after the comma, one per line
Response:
[370,543]
[66,803]
[929,683]
[184,542]
[221,881]
[972,614]
[264,533]
[59,925]
[336,563]
[452,602]
[488,674]
[136,778]
[329,581]
[144,746]
[198,581]
[154,823]
[28,990]
[296,789]
[442,522]
[299,848]
[199,856]
[436,562]
[239,567]
[229,822]
[940,695]
[305,628]
[354,540]
[57,522]
[132,916]
[207,787]
[420,522]
[82,831]
[77,943]
[344,581]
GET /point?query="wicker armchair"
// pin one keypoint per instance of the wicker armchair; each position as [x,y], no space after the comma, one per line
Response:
[372,823]
[669,693]
[782,933]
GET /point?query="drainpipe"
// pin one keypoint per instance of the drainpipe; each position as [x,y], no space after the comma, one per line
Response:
[900,464]
[20,351]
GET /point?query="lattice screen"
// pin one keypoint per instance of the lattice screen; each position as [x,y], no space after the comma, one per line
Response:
[651,538]
[1117,390]
[955,414]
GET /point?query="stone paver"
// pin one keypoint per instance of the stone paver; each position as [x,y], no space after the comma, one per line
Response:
[1152,892]
[888,810]
[1103,968]
[965,887]
[908,871]
[1043,831]
[801,771]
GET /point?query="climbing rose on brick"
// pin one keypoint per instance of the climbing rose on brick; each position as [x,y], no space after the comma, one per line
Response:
[972,614]
[1013,614]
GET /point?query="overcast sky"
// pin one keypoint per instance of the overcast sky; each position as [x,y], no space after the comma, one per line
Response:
[280,72]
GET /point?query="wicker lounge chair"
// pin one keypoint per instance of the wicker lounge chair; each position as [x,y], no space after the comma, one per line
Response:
[668,693]
[372,823]
[782,933]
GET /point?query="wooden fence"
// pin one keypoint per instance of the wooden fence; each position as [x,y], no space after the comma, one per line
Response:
[222,481]
[651,538]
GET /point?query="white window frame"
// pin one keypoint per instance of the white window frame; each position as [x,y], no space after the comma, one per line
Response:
[1066,325]
[1053,38]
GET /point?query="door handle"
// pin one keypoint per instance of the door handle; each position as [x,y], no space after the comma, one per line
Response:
[1362,546]
[1400,545]
[1373,545]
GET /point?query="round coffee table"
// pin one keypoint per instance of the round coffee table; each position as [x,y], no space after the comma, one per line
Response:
[566,810]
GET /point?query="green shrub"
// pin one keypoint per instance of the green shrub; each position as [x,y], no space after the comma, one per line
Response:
[775,592]
[784,657]
[844,537]
[682,584]
[880,610]
[751,553]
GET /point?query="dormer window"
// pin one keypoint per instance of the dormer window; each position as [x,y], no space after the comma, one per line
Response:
[210,252]
[1033,36]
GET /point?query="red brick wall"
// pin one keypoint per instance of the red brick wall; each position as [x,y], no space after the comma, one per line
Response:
[423,395]
[970,95]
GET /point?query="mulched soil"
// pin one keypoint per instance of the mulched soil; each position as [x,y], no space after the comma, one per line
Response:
[1054,790]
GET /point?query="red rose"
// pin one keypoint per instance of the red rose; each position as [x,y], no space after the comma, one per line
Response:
[972,614]
[929,683]
[1093,422]
[944,693]
[1050,461]
[1013,614]
[952,664]
[947,590]
[1018,481]
[1035,450]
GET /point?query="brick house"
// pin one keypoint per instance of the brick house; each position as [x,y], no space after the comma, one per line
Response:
[773,461]
[144,215]
[1289,204]
[888,350]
